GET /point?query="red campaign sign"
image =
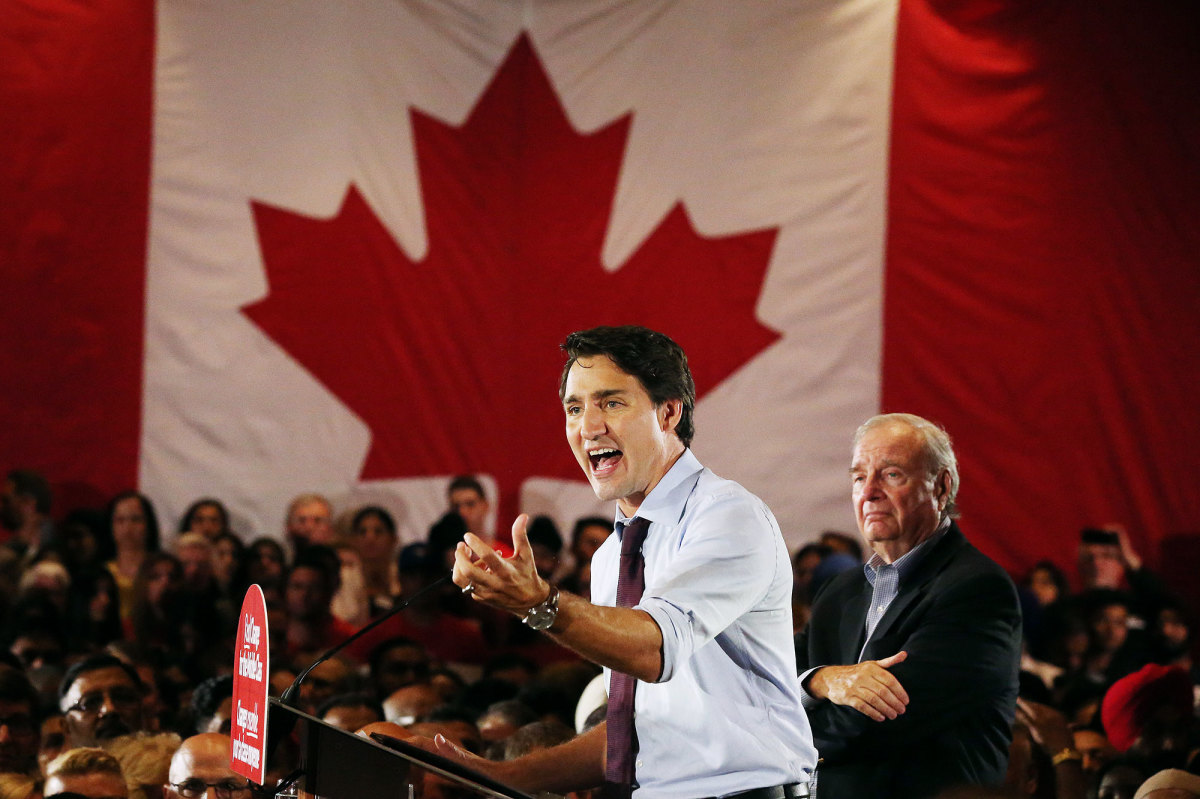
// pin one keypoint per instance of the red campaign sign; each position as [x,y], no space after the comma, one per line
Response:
[250,670]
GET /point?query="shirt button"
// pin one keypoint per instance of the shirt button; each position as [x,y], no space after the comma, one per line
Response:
[639,764]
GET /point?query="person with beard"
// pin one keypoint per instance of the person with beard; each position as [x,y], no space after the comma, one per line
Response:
[18,723]
[101,698]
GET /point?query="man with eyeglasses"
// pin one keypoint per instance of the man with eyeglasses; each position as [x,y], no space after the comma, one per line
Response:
[200,768]
[101,698]
[18,723]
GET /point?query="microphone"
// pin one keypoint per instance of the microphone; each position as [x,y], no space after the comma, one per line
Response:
[292,694]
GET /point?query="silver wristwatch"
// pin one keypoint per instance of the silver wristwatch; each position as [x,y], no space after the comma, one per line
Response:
[541,617]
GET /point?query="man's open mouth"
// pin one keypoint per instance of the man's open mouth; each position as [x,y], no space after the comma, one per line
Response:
[604,460]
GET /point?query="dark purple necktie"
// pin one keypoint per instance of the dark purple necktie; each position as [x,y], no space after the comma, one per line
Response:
[622,739]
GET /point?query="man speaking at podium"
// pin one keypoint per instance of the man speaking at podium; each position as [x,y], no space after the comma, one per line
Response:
[690,613]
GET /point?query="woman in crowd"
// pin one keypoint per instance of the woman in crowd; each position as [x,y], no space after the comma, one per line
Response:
[373,533]
[132,534]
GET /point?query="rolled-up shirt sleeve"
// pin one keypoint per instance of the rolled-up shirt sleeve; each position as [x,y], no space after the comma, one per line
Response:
[722,567]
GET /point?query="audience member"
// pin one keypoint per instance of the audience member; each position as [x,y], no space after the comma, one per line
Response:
[587,535]
[502,719]
[206,516]
[535,736]
[1095,752]
[145,759]
[86,771]
[18,723]
[18,786]
[160,627]
[1107,560]
[202,763]
[101,699]
[842,542]
[547,544]
[308,594]
[410,704]
[470,502]
[212,705]
[52,740]
[94,611]
[397,662]
[350,712]
[328,678]
[25,523]
[350,602]
[1171,783]
[1058,764]
[1120,780]
[264,565]
[1148,717]
[1171,639]
[309,521]
[373,533]
[132,533]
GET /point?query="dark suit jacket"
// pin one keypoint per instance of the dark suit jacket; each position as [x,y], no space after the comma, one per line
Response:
[958,619]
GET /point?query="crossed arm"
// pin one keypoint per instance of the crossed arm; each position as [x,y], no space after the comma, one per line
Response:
[954,663]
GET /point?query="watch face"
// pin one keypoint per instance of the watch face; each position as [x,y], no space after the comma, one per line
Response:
[542,616]
[540,619]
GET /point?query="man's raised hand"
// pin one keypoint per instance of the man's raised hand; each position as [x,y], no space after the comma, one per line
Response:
[511,583]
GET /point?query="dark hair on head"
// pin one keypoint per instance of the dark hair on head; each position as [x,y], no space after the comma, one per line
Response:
[589,521]
[364,700]
[451,712]
[389,523]
[387,645]
[185,523]
[444,536]
[513,711]
[95,663]
[265,542]
[466,481]
[239,546]
[152,544]
[813,547]
[324,560]
[208,695]
[542,530]
[29,483]
[16,687]
[1056,576]
[1095,600]
[658,363]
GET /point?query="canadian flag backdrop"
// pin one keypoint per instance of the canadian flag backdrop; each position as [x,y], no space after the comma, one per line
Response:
[254,249]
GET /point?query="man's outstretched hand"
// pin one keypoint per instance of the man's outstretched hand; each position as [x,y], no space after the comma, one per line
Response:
[511,583]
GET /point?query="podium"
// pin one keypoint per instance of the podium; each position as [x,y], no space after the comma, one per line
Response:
[335,764]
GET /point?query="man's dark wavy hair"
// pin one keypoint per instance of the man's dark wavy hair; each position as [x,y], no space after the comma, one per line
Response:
[653,358]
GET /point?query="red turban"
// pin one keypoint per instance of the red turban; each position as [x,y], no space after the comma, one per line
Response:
[1133,700]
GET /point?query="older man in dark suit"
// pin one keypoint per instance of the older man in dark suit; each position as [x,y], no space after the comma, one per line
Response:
[910,664]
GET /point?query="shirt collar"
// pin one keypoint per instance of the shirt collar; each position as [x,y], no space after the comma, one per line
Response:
[904,564]
[666,501]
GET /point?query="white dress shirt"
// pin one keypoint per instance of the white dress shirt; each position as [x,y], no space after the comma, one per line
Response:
[725,715]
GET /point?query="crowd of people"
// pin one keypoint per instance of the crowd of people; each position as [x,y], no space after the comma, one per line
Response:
[919,668]
[118,651]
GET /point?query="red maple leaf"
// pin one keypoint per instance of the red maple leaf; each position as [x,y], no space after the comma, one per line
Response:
[453,362]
